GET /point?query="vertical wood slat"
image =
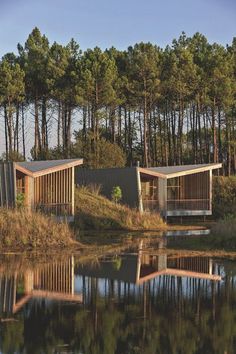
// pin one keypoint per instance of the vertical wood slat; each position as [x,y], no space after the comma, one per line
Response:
[53,193]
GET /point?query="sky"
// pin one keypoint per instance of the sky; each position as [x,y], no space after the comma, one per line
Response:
[118,23]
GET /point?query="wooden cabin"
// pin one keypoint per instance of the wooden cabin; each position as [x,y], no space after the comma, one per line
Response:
[47,186]
[171,191]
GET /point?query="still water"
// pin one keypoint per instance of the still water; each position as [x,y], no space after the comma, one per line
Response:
[140,299]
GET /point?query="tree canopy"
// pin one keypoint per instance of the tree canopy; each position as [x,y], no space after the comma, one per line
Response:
[159,106]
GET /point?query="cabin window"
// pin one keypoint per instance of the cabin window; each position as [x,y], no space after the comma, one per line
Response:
[150,190]
[150,193]
[173,188]
[20,183]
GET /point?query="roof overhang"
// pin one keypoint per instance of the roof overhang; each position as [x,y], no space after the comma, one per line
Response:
[179,273]
[145,171]
[199,169]
[48,170]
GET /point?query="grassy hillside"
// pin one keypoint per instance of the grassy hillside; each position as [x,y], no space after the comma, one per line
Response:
[94,211]
[20,229]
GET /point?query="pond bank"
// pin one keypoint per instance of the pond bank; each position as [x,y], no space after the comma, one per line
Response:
[221,237]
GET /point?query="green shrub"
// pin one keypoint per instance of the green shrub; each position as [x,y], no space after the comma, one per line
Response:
[116,194]
[224,196]
[20,200]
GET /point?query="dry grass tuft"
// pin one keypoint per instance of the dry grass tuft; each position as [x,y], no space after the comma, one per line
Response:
[23,230]
[94,211]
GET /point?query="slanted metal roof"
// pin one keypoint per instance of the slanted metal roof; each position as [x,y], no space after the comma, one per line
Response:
[39,168]
[176,171]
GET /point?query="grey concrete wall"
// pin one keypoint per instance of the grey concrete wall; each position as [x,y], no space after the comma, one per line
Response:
[125,178]
[7,184]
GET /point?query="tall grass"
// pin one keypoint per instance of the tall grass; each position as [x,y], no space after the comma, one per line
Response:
[21,229]
[94,211]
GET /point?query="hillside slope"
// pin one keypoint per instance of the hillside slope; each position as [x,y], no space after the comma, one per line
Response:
[94,211]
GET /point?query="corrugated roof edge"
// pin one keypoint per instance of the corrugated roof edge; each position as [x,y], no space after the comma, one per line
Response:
[70,163]
[197,169]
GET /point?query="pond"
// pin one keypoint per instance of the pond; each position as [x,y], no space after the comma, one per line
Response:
[137,299]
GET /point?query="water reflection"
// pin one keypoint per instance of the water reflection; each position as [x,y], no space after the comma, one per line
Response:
[53,281]
[144,300]
[139,265]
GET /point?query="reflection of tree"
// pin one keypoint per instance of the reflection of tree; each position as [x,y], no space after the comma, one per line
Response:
[12,337]
[170,320]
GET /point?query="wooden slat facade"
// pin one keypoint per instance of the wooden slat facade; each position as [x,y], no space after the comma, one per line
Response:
[53,193]
[53,281]
[48,186]
[183,195]
[190,192]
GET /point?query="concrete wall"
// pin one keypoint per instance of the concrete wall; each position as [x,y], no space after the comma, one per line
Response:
[7,184]
[125,178]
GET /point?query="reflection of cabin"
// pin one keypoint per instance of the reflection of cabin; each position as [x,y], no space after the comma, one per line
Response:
[172,191]
[54,281]
[47,186]
[141,267]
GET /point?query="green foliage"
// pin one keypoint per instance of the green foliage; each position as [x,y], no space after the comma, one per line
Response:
[20,200]
[224,196]
[11,84]
[105,155]
[167,106]
[116,194]
[199,317]
[12,156]
[117,262]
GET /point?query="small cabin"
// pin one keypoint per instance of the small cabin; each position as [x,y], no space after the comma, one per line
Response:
[45,186]
[171,191]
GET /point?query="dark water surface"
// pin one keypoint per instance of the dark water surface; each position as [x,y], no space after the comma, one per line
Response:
[139,300]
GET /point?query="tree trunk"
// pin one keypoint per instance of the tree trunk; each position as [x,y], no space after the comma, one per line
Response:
[6,133]
[23,129]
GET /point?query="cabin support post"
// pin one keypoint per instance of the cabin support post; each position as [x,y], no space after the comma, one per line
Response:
[210,190]
[165,199]
[139,192]
[73,192]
